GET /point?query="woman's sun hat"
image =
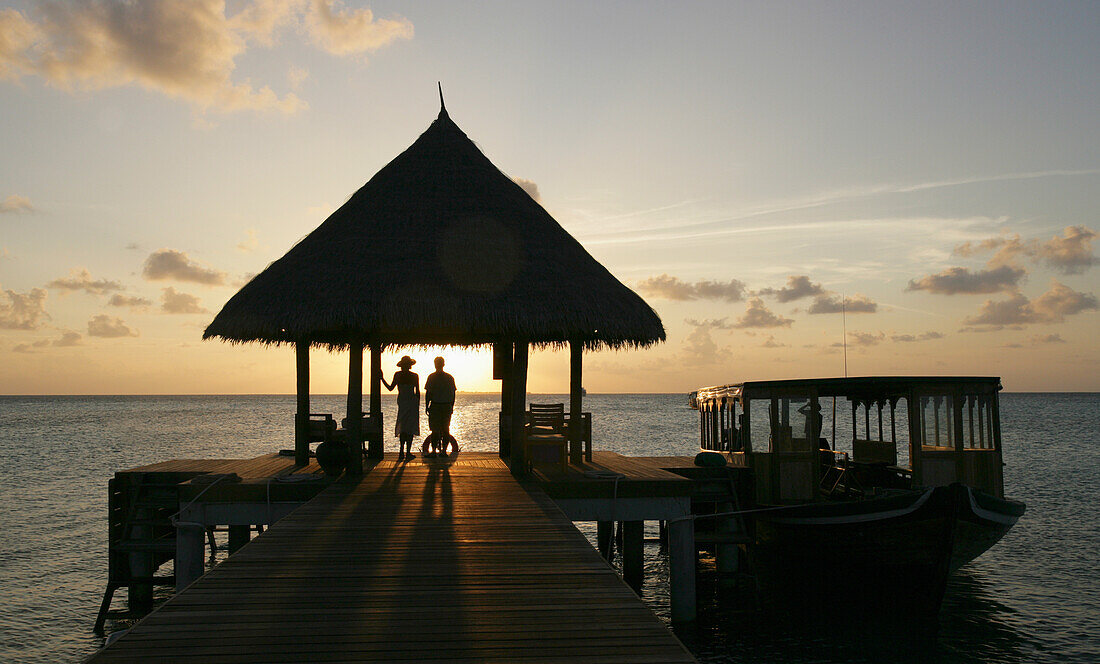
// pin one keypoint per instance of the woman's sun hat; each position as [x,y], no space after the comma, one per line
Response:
[406,361]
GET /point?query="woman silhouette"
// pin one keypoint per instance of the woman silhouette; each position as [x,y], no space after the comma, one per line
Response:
[407,425]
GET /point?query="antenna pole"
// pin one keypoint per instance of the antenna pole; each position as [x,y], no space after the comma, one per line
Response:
[844,328]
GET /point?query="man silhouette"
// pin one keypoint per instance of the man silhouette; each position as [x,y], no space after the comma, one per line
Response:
[439,402]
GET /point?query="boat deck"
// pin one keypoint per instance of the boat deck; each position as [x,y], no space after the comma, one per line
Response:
[442,560]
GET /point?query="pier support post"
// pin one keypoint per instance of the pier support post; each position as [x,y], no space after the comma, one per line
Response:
[354,435]
[605,538]
[141,565]
[576,418]
[375,446]
[728,553]
[681,562]
[301,420]
[238,536]
[502,367]
[189,553]
[518,447]
[633,554]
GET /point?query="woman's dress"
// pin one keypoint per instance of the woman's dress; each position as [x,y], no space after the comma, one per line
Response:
[408,408]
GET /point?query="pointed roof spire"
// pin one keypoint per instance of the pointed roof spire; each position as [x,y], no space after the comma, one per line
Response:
[442,106]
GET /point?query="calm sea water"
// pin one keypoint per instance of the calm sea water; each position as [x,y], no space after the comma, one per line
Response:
[1035,597]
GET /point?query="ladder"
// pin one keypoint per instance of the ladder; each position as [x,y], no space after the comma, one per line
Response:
[141,536]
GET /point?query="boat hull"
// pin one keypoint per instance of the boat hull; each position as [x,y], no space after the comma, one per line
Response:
[893,552]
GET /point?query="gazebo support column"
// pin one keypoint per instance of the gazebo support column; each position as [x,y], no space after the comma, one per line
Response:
[354,433]
[502,358]
[375,447]
[576,418]
[518,447]
[301,419]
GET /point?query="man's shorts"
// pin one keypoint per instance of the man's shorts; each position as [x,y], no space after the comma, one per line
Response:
[439,415]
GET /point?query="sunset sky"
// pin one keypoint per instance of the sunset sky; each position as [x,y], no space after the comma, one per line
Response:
[750,169]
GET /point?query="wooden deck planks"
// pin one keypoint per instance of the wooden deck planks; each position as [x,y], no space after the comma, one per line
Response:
[268,465]
[423,561]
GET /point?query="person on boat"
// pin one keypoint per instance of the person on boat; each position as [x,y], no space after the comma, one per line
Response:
[812,412]
[439,402]
[407,425]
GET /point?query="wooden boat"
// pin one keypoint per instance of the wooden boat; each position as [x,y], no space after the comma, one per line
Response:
[833,511]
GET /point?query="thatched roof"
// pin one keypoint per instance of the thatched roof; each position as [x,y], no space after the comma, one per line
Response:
[439,247]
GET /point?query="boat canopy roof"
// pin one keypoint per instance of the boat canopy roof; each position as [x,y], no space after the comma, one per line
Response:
[862,387]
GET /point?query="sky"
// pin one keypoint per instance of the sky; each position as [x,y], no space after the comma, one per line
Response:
[798,189]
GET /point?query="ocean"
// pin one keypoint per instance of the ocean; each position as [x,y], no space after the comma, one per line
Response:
[1034,597]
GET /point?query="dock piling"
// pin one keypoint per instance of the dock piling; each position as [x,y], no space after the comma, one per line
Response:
[605,540]
[633,554]
[189,553]
[238,536]
[681,562]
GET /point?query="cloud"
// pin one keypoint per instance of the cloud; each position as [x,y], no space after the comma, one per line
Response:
[772,343]
[184,49]
[700,349]
[80,279]
[23,311]
[673,288]
[1071,253]
[1014,311]
[1061,301]
[1051,307]
[710,323]
[1040,339]
[831,304]
[67,339]
[797,287]
[530,187]
[295,76]
[31,347]
[1007,247]
[863,339]
[171,264]
[109,327]
[350,31]
[758,315]
[909,338]
[261,19]
[960,280]
[250,243]
[132,301]
[173,302]
[14,202]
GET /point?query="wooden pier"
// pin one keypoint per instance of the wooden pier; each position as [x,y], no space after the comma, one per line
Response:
[442,560]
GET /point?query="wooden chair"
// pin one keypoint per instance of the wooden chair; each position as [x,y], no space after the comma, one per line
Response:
[321,427]
[546,430]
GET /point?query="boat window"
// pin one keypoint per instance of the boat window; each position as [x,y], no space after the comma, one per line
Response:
[937,420]
[798,424]
[732,423]
[900,429]
[978,421]
[760,430]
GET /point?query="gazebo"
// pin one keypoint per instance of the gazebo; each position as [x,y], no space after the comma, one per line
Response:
[438,248]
